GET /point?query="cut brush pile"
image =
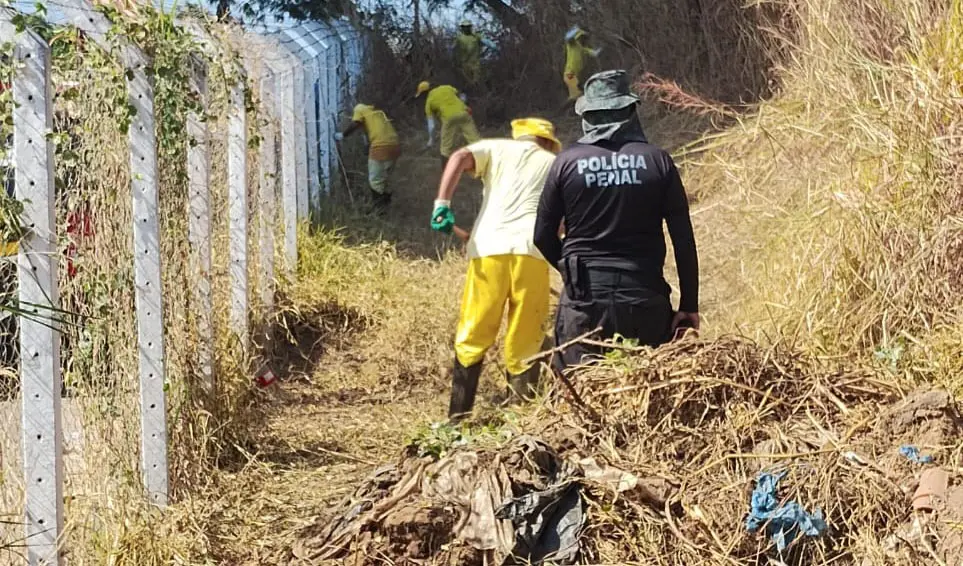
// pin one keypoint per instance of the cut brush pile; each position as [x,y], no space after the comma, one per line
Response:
[653,456]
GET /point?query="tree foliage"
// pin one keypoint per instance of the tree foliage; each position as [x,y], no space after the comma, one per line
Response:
[297,9]
[325,9]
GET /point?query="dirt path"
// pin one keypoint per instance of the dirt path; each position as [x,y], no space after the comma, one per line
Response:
[314,442]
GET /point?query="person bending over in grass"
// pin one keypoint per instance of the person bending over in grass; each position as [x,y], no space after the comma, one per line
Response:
[383,151]
[504,265]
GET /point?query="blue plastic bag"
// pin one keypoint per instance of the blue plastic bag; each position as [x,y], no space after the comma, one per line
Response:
[782,522]
[912,454]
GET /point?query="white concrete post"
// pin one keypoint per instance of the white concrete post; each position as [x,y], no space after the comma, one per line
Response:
[332,80]
[301,146]
[33,159]
[148,297]
[311,130]
[147,279]
[267,195]
[289,184]
[237,212]
[199,229]
[326,127]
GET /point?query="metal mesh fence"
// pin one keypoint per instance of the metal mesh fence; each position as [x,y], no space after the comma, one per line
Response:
[157,168]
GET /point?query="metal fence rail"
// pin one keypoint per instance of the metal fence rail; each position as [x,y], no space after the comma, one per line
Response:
[303,77]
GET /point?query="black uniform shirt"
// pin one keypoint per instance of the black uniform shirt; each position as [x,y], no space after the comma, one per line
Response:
[613,197]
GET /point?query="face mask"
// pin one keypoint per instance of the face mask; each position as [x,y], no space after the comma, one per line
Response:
[626,130]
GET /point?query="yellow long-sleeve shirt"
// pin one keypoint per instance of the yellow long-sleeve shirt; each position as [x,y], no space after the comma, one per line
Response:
[444,103]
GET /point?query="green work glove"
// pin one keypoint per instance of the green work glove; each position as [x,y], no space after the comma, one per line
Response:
[442,219]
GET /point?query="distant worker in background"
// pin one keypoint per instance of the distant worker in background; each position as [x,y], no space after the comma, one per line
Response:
[468,51]
[504,265]
[614,190]
[578,58]
[446,104]
[383,150]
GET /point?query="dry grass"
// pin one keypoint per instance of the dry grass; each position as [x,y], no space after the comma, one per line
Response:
[709,416]
[376,375]
[830,217]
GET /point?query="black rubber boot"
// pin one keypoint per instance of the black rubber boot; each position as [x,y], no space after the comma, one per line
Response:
[464,385]
[524,386]
[380,203]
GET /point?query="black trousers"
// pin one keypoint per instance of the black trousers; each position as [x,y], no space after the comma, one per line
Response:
[620,302]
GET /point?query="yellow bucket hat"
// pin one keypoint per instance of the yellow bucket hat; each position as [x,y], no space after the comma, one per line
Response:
[423,87]
[538,127]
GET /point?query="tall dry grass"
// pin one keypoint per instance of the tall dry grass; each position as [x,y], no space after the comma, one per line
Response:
[831,215]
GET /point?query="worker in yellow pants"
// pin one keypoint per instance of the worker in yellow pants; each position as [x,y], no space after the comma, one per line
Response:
[521,281]
[446,104]
[505,267]
[578,58]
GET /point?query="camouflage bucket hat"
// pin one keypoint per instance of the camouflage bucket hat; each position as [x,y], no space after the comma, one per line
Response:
[608,90]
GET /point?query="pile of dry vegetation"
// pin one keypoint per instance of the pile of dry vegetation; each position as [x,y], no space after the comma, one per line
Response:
[664,448]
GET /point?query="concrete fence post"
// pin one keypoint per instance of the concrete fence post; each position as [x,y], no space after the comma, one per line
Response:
[199,228]
[40,388]
[267,195]
[237,213]
[289,175]
[148,297]
[311,140]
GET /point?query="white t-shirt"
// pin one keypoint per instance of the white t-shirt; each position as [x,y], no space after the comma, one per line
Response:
[513,173]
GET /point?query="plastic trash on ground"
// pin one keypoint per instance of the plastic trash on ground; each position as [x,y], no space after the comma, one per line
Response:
[782,522]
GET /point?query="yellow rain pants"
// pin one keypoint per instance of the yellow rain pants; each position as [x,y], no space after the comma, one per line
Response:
[522,282]
[461,126]
[571,82]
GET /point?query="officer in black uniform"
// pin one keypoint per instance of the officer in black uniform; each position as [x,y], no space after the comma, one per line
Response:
[613,190]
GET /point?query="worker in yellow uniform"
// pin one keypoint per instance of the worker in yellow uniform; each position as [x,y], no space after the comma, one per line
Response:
[578,55]
[468,51]
[504,266]
[383,150]
[446,104]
